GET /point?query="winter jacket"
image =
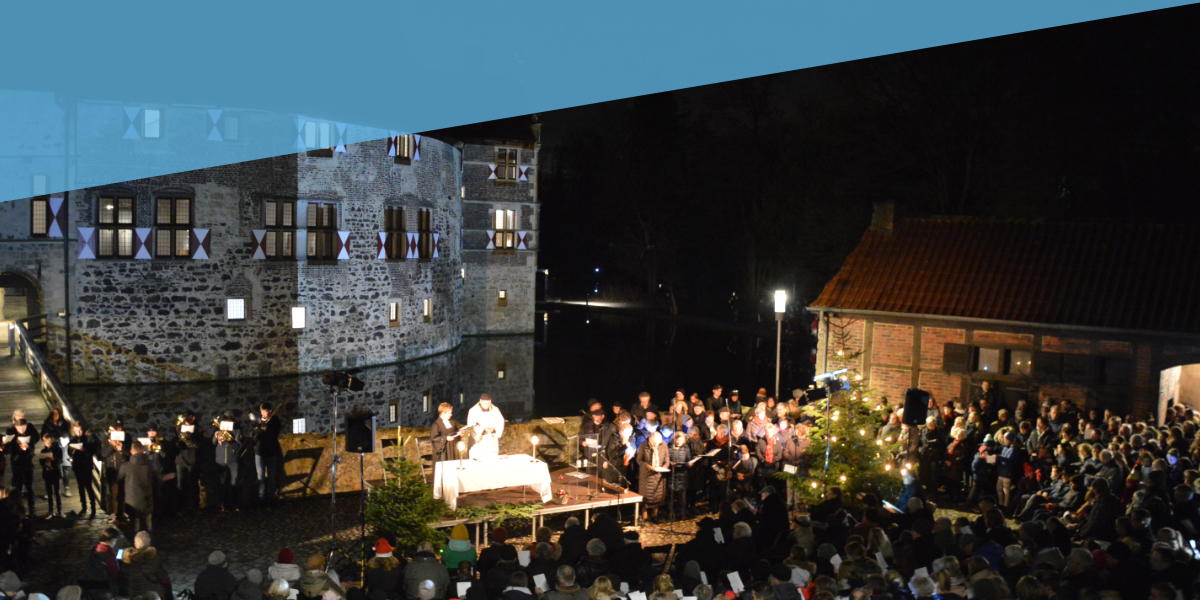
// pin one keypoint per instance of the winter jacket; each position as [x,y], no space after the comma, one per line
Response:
[315,583]
[139,482]
[574,592]
[457,551]
[384,584]
[425,566]
[143,572]
[215,583]
[289,573]
[246,590]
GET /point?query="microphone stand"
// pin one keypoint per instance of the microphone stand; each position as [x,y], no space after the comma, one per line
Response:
[729,451]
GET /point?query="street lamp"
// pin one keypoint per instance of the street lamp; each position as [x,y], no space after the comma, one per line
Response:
[780,308]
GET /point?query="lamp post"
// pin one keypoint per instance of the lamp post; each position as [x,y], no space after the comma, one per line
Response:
[533,440]
[780,308]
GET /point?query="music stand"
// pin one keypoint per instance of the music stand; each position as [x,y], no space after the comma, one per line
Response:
[591,441]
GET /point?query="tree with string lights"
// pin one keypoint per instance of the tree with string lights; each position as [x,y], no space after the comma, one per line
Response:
[844,449]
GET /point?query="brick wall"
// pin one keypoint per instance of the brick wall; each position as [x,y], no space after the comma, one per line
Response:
[1111,348]
[1013,340]
[933,344]
[891,345]
[1066,345]
[845,335]
[943,386]
[890,382]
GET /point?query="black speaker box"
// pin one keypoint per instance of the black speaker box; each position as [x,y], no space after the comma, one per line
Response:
[360,431]
[916,407]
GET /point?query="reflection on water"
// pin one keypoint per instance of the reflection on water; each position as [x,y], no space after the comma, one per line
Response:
[410,392]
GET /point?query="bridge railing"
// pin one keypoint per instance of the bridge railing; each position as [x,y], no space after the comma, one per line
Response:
[24,342]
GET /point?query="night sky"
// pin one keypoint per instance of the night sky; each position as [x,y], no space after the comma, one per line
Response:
[748,186]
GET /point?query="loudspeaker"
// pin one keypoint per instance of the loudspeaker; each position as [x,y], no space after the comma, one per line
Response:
[916,407]
[360,431]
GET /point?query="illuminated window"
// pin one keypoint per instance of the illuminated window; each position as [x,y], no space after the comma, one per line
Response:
[393,314]
[505,224]
[115,220]
[427,310]
[1019,362]
[501,370]
[299,317]
[502,298]
[279,219]
[172,236]
[506,164]
[404,149]
[39,214]
[318,138]
[235,309]
[393,411]
[426,401]
[990,360]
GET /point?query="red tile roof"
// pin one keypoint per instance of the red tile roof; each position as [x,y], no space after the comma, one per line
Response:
[1109,275]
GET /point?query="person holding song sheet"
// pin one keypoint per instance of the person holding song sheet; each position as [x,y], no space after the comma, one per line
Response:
[681,462]
[82,448]
[653,458]
[19,440]
[444,434]
[488,425]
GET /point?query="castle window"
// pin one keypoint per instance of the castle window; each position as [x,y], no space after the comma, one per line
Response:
[299,317]
[232,128]
[172,237]
[505,225]
[427,310]
[425,234]
[502,298]
[40,182]
[151,123]
[318,138]
[393,314]
[116,218]
[393,226]
[506,164]
[39,217]
[404,149]
[279,217]
[322,231]
[235,309]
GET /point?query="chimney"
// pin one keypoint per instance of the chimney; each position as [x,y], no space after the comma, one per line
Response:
[883,219]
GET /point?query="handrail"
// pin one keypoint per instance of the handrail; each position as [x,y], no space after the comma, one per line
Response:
[52,390]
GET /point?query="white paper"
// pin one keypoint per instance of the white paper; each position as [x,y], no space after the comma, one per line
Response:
[187,428]
[843,585]
[523,558]
[735,583]
[463,586]
[624,587]
[966,530]
[145,441]
[688,598]
[116,435]
[679,594]
[293,593]
[800,576]
[539,581]
[717,535]
[836,561]
[882,563]
[703,578]
[24,439]
[789,469]
[991,459]
[637,596]
[226,425]
[922,572]
[8,438]
[78,446]
[298,425]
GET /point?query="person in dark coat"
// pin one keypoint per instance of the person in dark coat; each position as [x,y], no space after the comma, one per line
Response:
[488,557]
[593,565]
[1102,519]
[51,459]
[22,437]
[573,541]
[773,521]
[215,582]
[384,575]
[227,445]
[652,459]
[606,529]
[267,453]
[102,572]
[114,454]
[631,563]
[139,479]
[680,454]
[187,437]
[769,453]
[932,453]
[83,447]
[444,434]
[498,577]
[829,506]
[543,563]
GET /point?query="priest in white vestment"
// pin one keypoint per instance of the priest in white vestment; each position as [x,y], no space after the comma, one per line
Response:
[487,424]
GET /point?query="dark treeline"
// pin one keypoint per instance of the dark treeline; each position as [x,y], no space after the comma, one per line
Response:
[753,185]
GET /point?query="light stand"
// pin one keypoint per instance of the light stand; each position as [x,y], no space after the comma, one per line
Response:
[533,441]
[780,309]
[362,513]
[333,469]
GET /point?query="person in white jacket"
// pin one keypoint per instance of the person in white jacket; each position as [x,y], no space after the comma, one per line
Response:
[285,568]
[488,425]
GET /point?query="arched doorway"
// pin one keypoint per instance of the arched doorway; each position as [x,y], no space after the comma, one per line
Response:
[20,296]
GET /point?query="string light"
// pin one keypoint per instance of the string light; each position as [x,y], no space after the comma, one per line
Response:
[834,438]
[840,353]
[862,432]
[887,467]
[878,442]
[858,377]
[907,465]
[814,485]
[842,478]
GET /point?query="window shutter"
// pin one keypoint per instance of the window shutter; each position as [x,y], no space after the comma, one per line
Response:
[214,115]
[200,245]
[435,245]
[391,143]
[341,133]
[523,174]
[132,132]
[258,247]
[416,147]
[141,243]
[342,245]
[381,250]
[956,358]
[412,248]
[491,242]
[1047,366]
[86,243]
[301,214]
[58,217]
[491,171]
[1079,369]
[523,240]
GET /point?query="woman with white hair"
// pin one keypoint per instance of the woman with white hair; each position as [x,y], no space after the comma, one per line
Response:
[143,570]
[653,458]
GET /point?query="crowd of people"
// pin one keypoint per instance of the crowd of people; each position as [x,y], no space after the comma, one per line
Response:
[1059,503]
[129,476]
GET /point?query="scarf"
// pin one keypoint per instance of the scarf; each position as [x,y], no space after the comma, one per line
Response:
[770,457]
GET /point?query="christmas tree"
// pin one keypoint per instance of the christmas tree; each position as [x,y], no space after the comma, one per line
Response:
[844,449]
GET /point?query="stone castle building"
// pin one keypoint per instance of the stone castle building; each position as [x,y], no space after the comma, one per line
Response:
[342,255]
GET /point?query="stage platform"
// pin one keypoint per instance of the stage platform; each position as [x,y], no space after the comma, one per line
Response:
[581,499]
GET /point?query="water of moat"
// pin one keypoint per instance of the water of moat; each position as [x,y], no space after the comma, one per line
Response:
[573,355]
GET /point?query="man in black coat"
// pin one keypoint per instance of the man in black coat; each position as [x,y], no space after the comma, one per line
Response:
[1101,522]
[490,556]
[573,541]
[631,563]
[267,453]
[215,582]
[772,519]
